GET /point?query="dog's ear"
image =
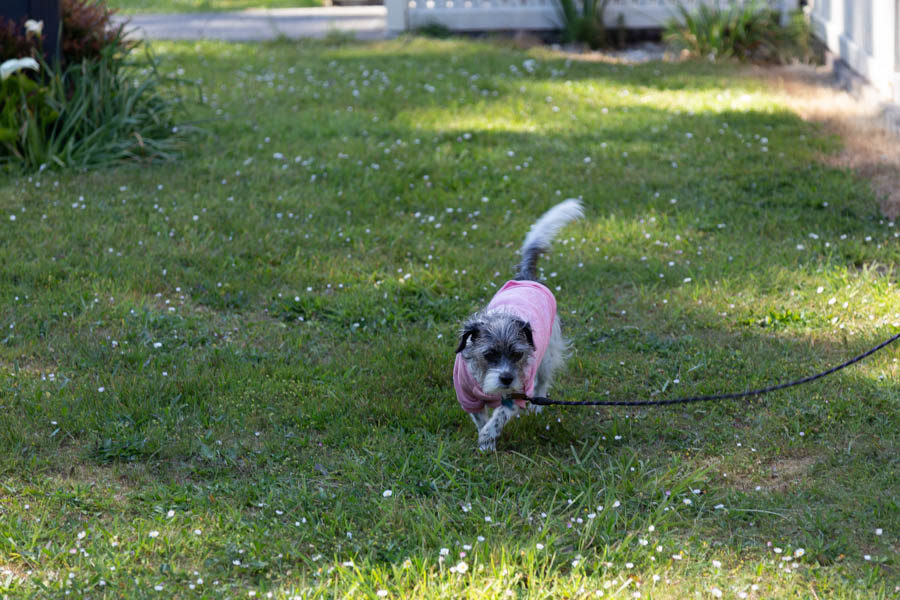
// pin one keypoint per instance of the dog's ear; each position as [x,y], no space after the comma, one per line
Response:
[526,331]
[470,330]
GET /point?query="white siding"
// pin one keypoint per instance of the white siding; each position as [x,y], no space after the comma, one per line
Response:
[866,35]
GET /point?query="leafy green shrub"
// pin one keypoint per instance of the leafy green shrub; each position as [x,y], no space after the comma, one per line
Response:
[585,26]
[99,103]
[106,110]
[747,32]
[434,30]
[24,112]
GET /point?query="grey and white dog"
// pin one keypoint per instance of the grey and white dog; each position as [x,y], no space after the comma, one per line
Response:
[513,348]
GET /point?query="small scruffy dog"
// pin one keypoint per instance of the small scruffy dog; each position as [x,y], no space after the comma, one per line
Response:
[509,351]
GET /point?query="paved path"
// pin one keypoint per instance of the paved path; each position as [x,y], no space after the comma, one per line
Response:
[365,22]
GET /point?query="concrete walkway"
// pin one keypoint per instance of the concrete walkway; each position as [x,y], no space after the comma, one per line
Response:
[364,22]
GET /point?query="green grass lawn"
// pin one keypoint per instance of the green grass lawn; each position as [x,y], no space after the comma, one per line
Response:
[177,6]
[229,377]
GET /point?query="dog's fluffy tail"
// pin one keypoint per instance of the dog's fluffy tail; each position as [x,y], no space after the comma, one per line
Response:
[542,233]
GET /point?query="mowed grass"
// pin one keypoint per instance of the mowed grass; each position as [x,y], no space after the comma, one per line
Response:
[178,6]
[229,377]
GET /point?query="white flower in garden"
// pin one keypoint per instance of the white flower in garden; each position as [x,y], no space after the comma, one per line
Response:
[17,64]
[35,27]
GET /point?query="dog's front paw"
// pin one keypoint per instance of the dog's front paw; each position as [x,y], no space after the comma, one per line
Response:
[534,409]
[487,444]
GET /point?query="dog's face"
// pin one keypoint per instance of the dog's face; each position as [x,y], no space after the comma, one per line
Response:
[497,347]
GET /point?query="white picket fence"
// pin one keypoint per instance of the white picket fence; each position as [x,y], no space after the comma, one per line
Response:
[535,15]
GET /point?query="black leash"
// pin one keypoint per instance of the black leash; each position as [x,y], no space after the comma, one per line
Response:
[547,401]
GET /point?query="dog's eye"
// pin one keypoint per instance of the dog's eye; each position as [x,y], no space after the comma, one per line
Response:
[516,356]
[492,356]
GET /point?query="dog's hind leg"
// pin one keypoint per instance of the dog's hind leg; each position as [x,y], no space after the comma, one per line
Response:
[487,435]
[553,361]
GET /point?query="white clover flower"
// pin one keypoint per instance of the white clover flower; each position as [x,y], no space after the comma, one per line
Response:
[17,64]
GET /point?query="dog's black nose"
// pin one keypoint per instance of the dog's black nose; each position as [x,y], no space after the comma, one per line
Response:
[506,379]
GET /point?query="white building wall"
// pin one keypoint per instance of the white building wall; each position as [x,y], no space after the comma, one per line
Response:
[866,35]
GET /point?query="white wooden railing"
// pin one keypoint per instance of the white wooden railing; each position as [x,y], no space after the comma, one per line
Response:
[535,15]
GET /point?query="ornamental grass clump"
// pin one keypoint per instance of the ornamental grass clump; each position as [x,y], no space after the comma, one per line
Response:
[99,101]
[583,22]
[748,32]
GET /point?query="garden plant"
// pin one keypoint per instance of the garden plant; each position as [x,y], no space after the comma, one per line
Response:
[99,100]
[747,31]
[583,22]
[229,376]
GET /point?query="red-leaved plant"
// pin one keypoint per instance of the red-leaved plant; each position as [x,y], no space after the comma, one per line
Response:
[87,28]
[12,40]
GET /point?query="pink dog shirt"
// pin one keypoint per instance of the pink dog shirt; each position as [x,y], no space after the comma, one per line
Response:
[531,302]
